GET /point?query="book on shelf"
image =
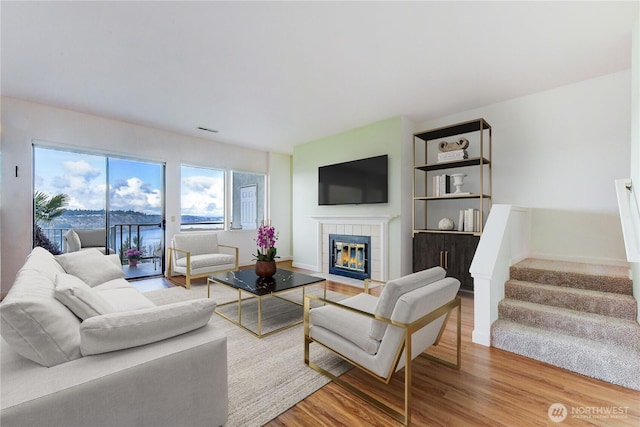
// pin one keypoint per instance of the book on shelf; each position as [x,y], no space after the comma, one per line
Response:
[441,185]
[448,156]
[469,220]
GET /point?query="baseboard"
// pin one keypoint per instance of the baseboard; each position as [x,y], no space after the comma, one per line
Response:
[305,266]
[480,338]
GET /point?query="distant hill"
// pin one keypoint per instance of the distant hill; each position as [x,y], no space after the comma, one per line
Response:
[81,218]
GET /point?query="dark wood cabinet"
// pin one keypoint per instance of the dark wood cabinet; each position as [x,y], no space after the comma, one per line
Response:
[453,252]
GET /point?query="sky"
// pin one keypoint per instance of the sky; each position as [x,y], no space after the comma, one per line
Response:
[134,185]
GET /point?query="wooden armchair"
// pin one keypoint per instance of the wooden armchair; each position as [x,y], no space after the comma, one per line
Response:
[195,255]
[382,335]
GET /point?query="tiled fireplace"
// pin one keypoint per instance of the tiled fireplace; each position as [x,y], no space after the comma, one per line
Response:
[374,228]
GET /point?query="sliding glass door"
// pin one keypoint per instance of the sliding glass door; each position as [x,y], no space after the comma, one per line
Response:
[124,197]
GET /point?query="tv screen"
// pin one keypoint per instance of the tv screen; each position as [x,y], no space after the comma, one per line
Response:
[356,182]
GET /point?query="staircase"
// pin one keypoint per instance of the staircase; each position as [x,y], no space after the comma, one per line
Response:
[579,317]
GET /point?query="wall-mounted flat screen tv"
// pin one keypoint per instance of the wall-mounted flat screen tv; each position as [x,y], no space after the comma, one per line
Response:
[356,182]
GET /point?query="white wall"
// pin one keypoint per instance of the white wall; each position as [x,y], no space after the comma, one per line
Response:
[23,122]
[279,209]
[635,135]
[559,152]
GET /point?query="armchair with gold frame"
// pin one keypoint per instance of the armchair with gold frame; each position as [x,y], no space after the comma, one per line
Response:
[382,335]
[198,254]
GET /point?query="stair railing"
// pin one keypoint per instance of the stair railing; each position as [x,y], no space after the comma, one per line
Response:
[505,241]
[629,209]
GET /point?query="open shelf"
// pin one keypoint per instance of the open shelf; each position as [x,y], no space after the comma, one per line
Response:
[453,196]
[429,230]
[474,161]
[460,128]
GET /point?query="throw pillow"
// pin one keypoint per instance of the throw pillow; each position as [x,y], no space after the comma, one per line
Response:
[118,331]
[91,266]
[73,241]
[82,300]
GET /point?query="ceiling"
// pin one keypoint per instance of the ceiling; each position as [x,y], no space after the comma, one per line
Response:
[272,75]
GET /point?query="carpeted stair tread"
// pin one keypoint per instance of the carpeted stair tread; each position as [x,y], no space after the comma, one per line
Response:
[611,363]
[604,329]
[604,303]
[605,278]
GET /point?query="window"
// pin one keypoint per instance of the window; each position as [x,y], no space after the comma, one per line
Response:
[248,207]
[201,198]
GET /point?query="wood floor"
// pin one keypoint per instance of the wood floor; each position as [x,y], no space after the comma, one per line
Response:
[493,388]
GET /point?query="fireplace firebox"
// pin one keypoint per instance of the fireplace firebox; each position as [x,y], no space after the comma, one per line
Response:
[350,256]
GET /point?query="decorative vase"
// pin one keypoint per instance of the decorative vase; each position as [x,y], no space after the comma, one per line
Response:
[133,262]
[265,268]
[458,181]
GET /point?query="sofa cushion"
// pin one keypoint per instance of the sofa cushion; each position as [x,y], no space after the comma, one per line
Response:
[79,297]
[394,289]
[91,266]
[118,331]
[73,241]
[124,298]
[36,324]
[207,260]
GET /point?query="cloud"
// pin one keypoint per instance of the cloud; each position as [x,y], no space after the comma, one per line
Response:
[202,196]
[81,168]
[134,194]
[80,181]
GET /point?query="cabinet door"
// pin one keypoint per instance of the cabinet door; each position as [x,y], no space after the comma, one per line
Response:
[427,248]
[459,250]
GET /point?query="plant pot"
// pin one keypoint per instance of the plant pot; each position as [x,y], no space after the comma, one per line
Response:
[265,268]
[133,262]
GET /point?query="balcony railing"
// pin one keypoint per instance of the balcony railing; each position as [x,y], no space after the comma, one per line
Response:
[147,238]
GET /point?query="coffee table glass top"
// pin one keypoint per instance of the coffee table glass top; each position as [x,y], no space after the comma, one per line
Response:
[247,280]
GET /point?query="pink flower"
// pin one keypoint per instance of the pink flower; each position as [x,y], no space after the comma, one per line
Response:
[266,241]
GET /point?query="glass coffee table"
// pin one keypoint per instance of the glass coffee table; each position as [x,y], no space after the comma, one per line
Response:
[248,283]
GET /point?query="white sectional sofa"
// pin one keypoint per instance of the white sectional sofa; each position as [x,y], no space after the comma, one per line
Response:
[82,347]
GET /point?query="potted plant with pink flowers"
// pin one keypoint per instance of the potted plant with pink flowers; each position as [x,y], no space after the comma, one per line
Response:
[133,255]
[267,252]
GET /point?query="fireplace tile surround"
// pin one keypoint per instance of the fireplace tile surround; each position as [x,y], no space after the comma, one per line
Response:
[374,226]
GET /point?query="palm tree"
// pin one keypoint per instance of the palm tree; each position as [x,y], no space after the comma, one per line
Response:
[46,209]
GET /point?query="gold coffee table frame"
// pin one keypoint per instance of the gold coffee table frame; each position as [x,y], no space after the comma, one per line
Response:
[225,279]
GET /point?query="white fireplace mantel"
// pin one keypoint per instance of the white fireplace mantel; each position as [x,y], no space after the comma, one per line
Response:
[353,219]
[381,221]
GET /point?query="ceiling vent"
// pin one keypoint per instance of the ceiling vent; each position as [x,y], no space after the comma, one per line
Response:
[207,129]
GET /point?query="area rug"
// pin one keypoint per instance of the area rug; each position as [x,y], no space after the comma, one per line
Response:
[267,376]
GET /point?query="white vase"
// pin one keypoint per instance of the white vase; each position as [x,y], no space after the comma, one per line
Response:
[458,181]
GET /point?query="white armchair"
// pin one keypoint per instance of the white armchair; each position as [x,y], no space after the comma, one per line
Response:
[81,239]
[381,335]
[195,255]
